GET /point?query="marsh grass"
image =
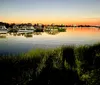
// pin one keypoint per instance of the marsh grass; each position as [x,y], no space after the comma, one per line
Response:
[68,65]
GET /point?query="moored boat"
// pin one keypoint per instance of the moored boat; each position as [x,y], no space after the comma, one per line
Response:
[3,29]
[25,30]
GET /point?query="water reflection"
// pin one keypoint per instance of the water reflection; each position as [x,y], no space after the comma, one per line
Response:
[22,42]
[50,31]
[3,35]
[37,33]
[28,35]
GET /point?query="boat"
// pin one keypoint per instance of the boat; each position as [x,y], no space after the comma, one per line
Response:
[25,30]
[3,30]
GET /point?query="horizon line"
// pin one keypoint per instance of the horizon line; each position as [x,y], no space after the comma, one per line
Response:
[48,23]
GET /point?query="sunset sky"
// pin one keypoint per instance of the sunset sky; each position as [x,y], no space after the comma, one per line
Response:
[50,11]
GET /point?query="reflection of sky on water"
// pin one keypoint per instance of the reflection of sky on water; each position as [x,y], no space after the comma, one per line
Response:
[77,36]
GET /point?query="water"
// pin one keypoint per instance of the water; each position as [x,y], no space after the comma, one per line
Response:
[18,43]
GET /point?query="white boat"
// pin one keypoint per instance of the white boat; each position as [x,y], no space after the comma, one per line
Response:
[26,30]
[3,29]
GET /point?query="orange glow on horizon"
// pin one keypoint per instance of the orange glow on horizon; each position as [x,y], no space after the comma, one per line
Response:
[82,31]
[67,21]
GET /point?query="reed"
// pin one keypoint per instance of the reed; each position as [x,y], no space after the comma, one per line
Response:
[64,65]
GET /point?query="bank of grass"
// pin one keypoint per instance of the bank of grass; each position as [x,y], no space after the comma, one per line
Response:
[66,65]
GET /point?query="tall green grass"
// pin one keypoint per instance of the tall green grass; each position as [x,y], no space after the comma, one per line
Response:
[66,65]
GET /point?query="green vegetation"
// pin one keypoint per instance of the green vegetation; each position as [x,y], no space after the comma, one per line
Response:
[12,30]
[60,29]
[54,30]
[66,65]
[38,30]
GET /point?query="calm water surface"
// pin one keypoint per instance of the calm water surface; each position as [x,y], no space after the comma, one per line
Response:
[17,43]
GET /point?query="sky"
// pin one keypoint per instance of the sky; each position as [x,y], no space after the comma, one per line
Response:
[50,11]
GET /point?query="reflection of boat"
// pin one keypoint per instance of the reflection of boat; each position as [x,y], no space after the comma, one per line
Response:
[47,30]
[2,36]
[28,35]
[3,29]
[37,33]
[53,31]
[14,34]
[19,34]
